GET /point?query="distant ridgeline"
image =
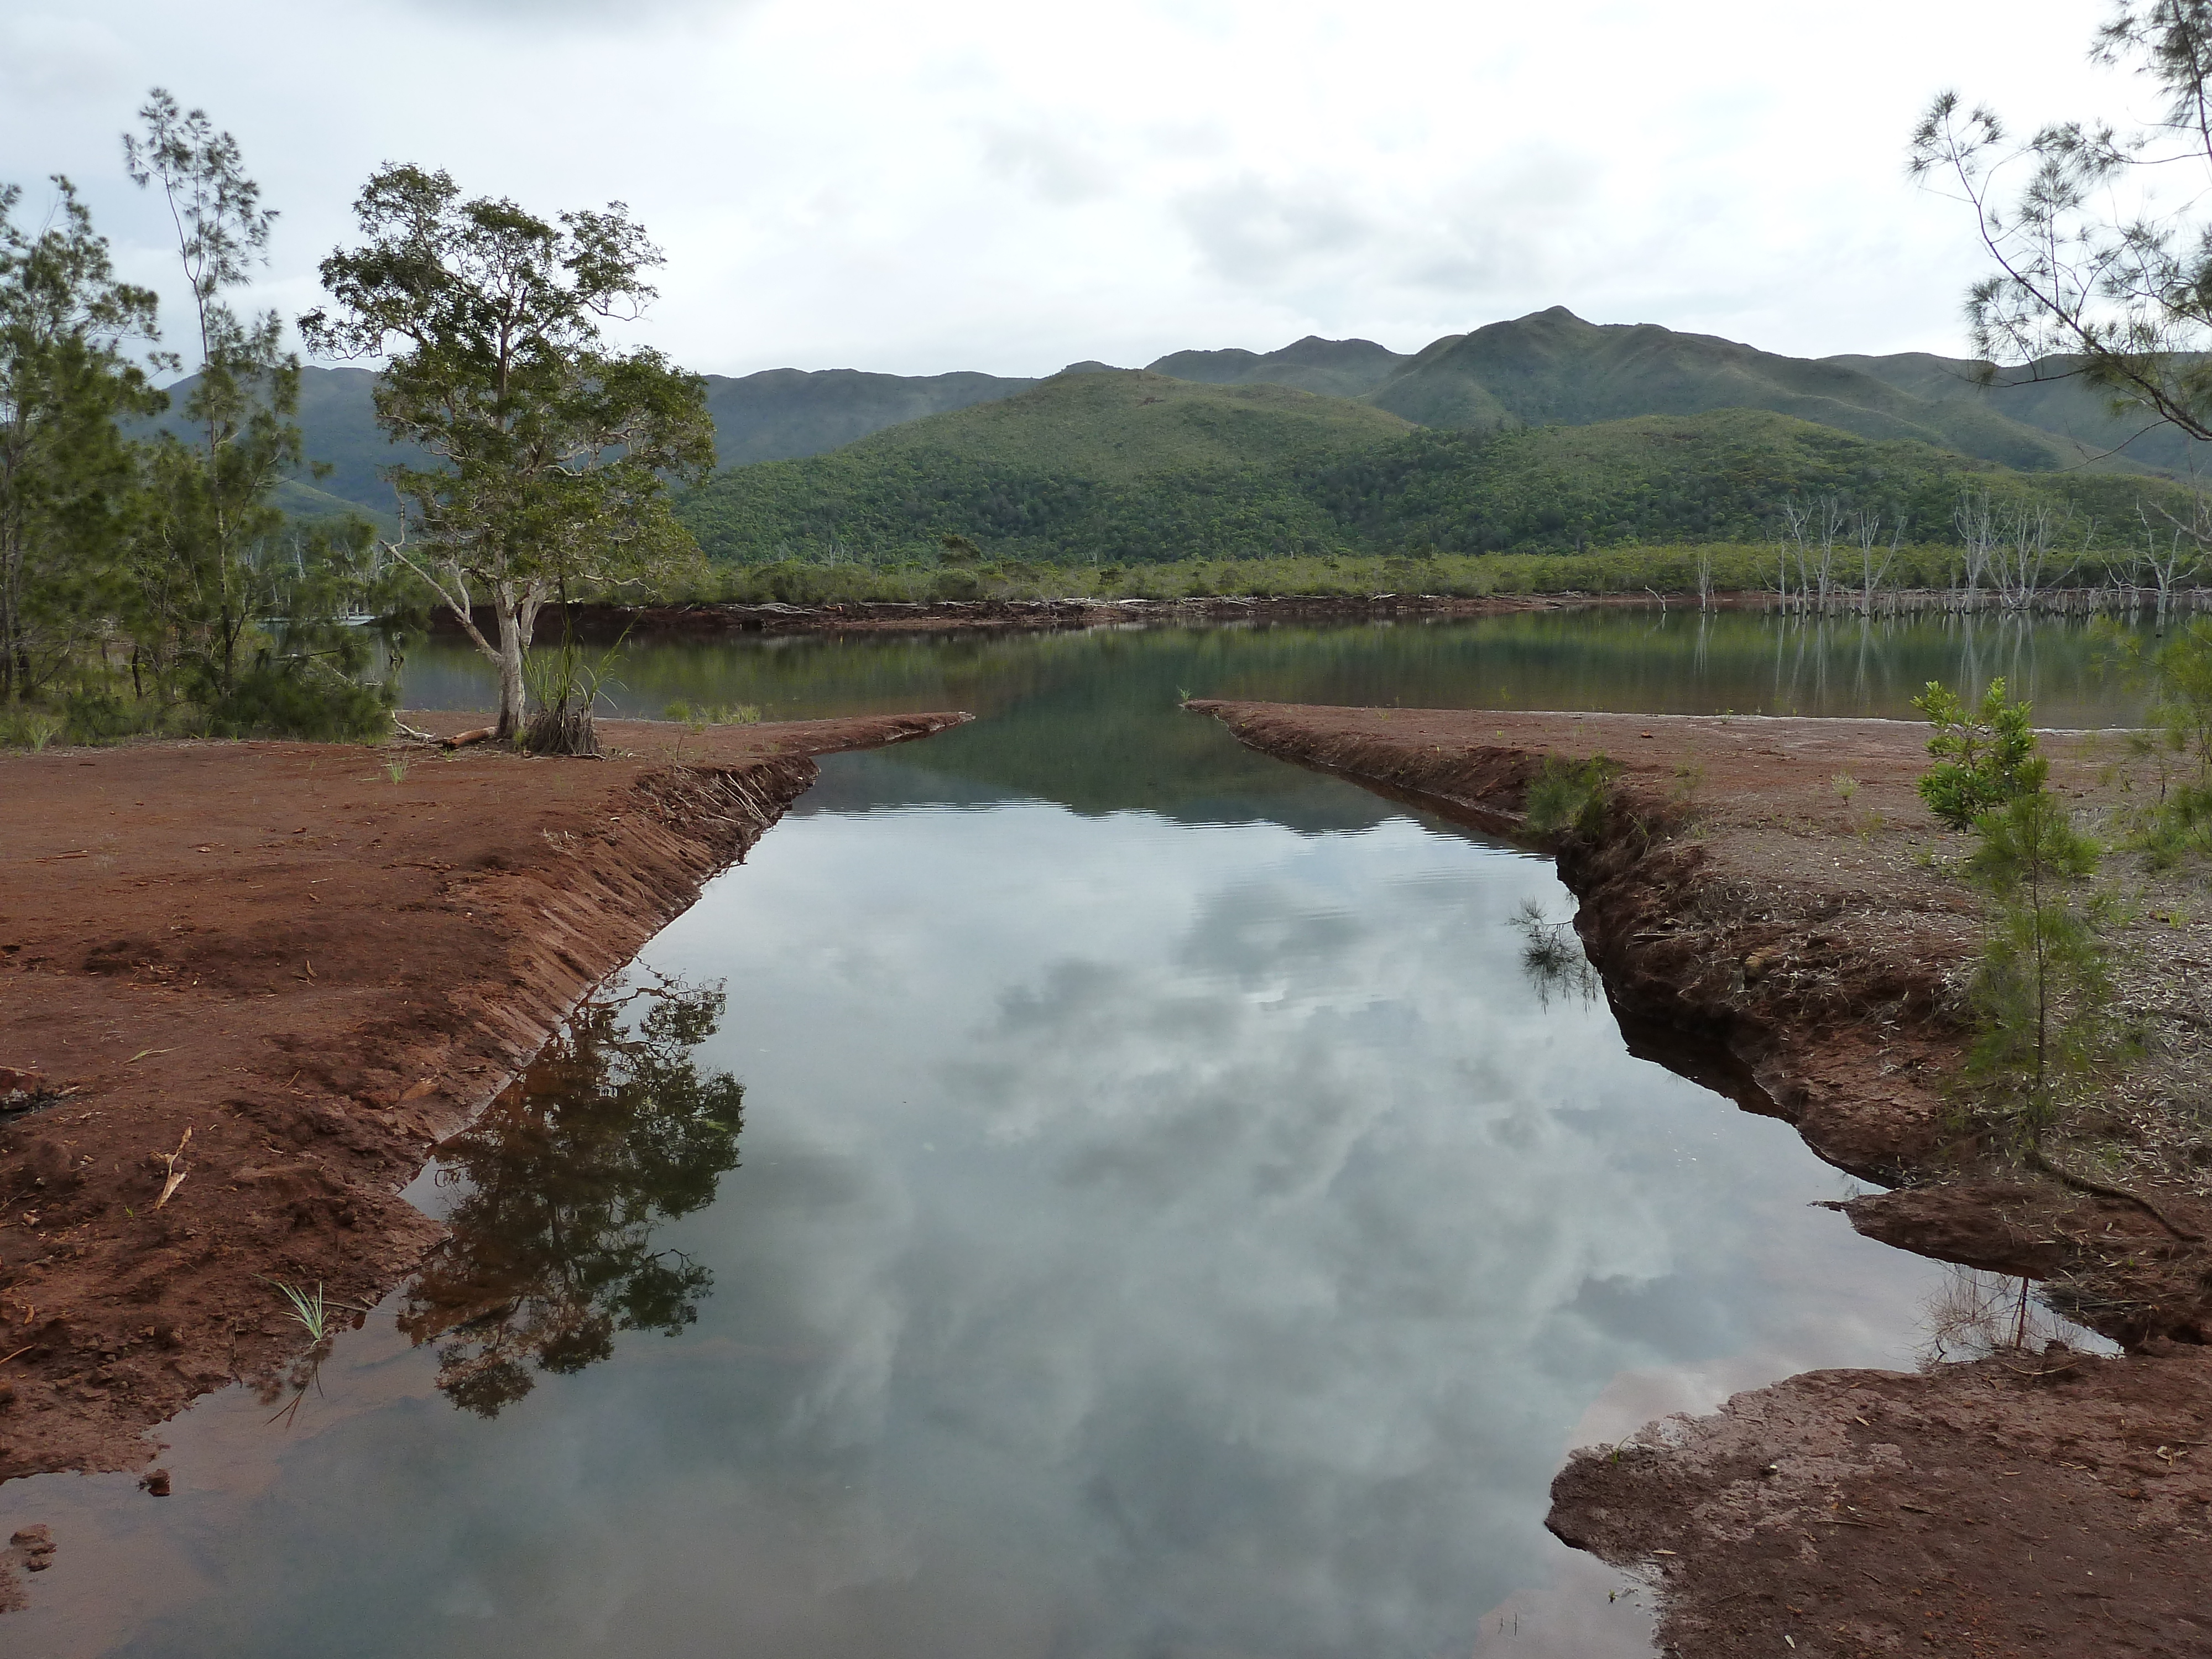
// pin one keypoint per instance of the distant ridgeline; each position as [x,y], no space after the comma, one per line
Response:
[1547,434]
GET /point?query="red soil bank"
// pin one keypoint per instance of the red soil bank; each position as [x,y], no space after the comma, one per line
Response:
[320,971]
[1802,945]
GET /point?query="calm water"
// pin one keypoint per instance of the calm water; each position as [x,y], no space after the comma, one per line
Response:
[1127,1197]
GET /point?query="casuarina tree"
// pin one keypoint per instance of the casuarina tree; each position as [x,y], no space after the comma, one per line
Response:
[209,574]
[549,451]
[2100,248]
[66,475]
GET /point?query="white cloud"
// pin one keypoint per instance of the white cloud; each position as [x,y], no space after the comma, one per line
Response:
[990,183]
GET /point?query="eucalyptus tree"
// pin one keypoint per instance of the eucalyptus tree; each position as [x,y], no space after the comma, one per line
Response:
[551,450]
[66,475]
[208,574]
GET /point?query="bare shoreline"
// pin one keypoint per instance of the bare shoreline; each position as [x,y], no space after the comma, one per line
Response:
[1804,952]
[320,960]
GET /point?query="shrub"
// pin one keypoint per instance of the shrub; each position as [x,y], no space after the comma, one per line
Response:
[30,728]
[2043,991]
[301,698]
[1984,758]
[1569,797]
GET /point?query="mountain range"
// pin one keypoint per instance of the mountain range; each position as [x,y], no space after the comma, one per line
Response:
[1550,368]
[1114,467]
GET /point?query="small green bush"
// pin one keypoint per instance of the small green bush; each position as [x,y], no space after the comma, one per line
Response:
[1983,759]
[1569,797]
[2043,991]
[30,728]
[103,717]
[301,699]
[962,584]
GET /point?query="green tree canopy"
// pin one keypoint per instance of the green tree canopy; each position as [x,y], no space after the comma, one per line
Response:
[66,475]
[2098,235]
[549,1251]
[550,449]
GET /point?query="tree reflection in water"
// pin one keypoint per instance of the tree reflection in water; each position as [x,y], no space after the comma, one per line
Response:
[612,1130]
[1552,959]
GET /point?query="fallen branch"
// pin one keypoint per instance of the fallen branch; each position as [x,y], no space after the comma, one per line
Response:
[2037,1160]
[462,739]
[176,1175]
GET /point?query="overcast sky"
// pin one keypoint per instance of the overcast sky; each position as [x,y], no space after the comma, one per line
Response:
[1007,186]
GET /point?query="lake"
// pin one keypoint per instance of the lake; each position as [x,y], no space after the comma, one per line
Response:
[1081,1188]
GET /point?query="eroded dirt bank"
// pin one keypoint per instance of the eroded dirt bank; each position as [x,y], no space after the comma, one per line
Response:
[319,968]
[1800,943]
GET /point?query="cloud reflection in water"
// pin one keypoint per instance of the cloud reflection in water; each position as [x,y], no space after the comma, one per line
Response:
[1152,1239]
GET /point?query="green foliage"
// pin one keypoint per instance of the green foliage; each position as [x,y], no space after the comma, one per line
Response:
[66,476]
[713,713]
[2043,991]
[2177,740]
[1570,796]
[205,571]
[563,1181]
[30,728]
[2077,269]
[1984,757]
[1130,469]
[548,453]
[301,699]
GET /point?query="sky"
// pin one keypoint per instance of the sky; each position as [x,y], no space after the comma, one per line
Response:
[1009,186]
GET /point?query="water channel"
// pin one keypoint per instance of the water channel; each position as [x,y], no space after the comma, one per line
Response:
[1079,1190]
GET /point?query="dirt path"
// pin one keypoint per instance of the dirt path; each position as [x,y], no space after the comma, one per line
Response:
[1803,945]
[318,968]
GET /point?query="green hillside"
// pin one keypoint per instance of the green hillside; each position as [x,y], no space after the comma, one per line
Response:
[1099,465]
[1548,369]
[1554,369]
[1130,467]
[1336,369]
[338,430]
[1121,425]
[782,413]
[2047,395]
[1720,476]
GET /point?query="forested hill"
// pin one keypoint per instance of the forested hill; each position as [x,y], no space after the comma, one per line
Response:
[782,413]
[1554,369]
[1549,368]
[1128,467]
[1338,368]
[770,416]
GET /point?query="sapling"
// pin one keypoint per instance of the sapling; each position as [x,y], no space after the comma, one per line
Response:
[2043,990]
[1980,757]
[1569,797]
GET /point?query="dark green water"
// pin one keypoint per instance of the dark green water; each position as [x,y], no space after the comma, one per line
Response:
[1080,1189]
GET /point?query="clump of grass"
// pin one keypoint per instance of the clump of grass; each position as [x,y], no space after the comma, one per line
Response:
[1845,786]
[1570,796]
[313,1312]
[395,771]
[33,729]
[702,715]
